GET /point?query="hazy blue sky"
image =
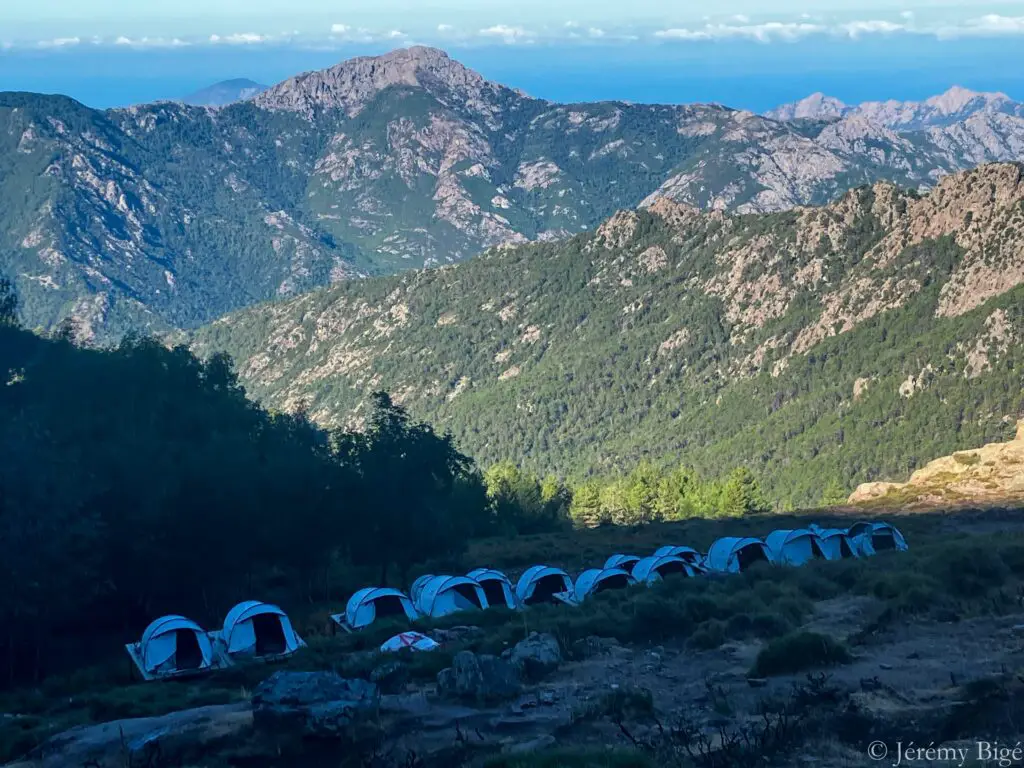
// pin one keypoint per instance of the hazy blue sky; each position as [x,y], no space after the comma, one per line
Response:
[749,53]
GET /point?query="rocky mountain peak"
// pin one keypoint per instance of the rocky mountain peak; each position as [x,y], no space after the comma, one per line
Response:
[817,106]
[957,99]
[350,84]
[956,104]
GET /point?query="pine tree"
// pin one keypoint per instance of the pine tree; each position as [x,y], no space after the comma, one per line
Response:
[742,495]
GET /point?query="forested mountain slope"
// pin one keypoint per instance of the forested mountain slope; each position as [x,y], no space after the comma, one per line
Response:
[168,215]
[844,343]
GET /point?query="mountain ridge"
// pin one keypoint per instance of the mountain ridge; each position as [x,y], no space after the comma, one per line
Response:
[167,215]
[954,105]
[838,342]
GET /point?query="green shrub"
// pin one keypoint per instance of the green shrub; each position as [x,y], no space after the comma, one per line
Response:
[709,635]
[797,652]
[967,459]
[770,625]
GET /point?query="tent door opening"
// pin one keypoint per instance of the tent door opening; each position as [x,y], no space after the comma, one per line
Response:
[816,552]
[750,555]
[388,606]
[844,548]
[672,569]
[494,592]
[883,541]
[187,653]
[468,596]
[545,589]
[269,633]
[612,582]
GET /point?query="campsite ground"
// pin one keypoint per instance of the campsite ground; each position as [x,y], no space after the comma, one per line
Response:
[921,646]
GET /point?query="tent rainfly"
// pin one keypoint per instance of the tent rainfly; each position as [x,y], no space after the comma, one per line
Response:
[688,554]
[257,629]
[599,580]
[417,587]
[835,543]
[625,562]
[877,537]
[368,605]
[733,555]
[439,596]
[172,646]
[658,567]
[793,547]
[543,584]
[414,641]
[496,587]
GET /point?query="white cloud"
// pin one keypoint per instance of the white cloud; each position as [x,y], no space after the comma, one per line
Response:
[396,33]
[59,42]
[990,25]
[595,32]
[240,38]
[772,31]
[763,33]
[507,33]
[340,29]
[908,15]
[855,29]
[741,18]
[445,27]
[150,42]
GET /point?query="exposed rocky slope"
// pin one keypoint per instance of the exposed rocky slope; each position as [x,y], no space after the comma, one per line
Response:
[993,473]
[169,215]
[840,342]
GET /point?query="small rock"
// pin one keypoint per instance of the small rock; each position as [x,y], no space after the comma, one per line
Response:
[885,666]
[914,655]
[547,698]
[757,682]
[536,656]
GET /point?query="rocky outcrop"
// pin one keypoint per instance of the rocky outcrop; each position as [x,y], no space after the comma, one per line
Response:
[178,738]
[479,678]
[318,704]
[536,656]
[993,473]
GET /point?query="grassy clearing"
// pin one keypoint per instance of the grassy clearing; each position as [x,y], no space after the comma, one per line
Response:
[947,575]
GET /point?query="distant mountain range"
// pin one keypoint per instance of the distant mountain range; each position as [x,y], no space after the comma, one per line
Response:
[954,106]
[169,215]
[833,345]
[224,93]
